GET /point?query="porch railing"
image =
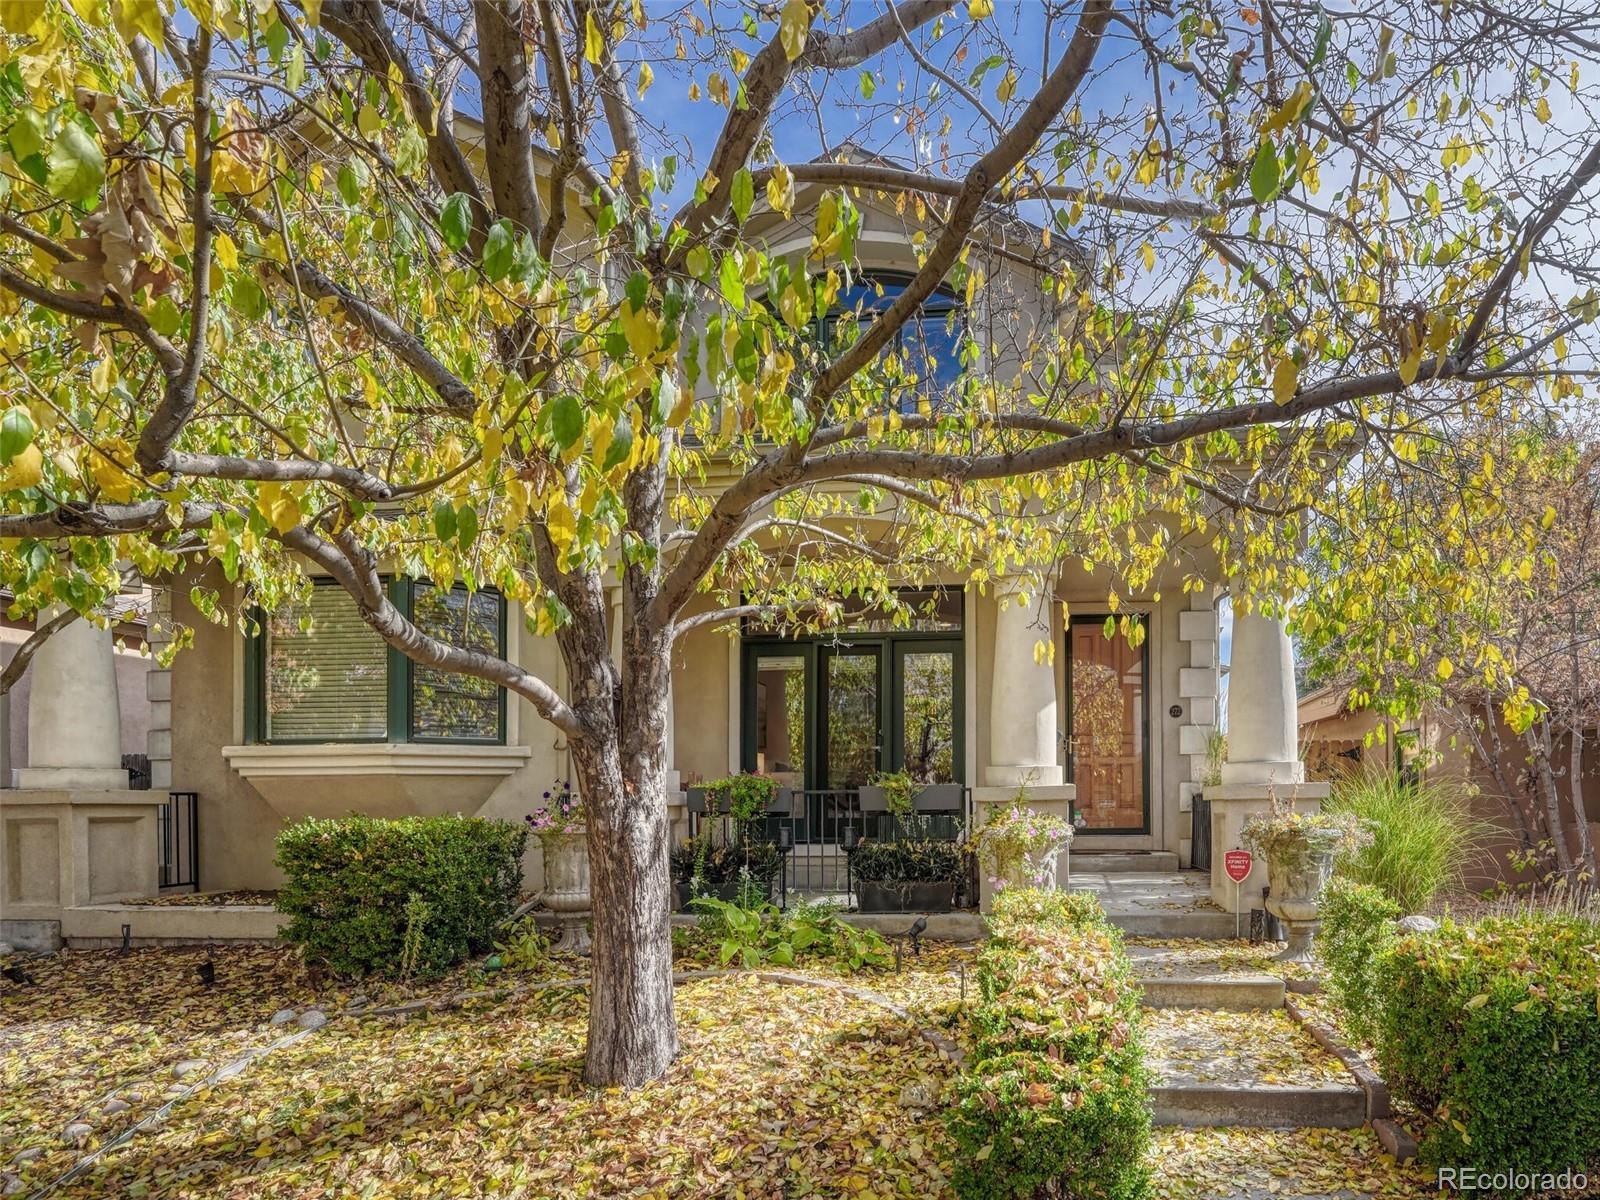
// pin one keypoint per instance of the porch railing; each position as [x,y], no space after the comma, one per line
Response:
[178,840]
[816,832]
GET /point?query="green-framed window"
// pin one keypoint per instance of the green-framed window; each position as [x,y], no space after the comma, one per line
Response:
[315,672]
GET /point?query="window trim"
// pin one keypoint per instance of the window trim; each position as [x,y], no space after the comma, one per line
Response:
[399,690]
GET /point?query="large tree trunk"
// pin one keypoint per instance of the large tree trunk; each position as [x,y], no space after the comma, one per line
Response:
[632,1034]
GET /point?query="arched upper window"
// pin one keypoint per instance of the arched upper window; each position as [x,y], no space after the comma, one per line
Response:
[928,344]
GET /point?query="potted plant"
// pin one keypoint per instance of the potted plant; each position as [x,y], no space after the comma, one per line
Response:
[908,876]
[735,871]
[745,797]
[1300,849]
[889,792]
[559,824]
[1019,847]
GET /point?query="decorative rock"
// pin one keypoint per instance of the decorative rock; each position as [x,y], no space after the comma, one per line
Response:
[11,1185]
[77,1133]
[312,1018]
[919,1094]
[358,1001]
[1416,924]
[189,1066]
[7,948]
[115,1105]
[28,1155]
[283,1016]
[133,1097]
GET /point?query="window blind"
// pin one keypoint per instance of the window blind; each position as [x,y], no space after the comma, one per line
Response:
[326,672]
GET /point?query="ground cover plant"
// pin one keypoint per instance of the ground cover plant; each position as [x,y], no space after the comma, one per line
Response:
[412,896]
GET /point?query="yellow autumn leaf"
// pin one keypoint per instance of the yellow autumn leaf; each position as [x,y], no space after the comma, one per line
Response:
[646,78]
[114,483]
[1007,88]
[1409,365]
[1285,379]
[1477,1001]
[1149,257]
[561,522]
[227,253]
[1445,669]
[24,471]
[593,43]
[793,26]
[979,9]
[1542,110]
[278,505]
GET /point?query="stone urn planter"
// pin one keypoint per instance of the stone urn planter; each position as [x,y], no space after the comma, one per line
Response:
[1300,850]
[566,887]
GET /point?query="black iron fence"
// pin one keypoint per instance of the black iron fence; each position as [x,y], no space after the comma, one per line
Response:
[815,832]
[178,837]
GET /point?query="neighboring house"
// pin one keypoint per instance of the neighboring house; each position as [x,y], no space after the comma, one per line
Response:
[1442,744]
[328,720]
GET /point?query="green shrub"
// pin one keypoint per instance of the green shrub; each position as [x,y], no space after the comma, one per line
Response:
[1494,1028]
[1425,836]
[410,896]
[1056,1094]
[1357,922]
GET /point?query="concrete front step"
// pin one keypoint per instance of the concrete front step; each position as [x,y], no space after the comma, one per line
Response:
[1204,925]
[1260,1106]
[1243,993]
[1122,862]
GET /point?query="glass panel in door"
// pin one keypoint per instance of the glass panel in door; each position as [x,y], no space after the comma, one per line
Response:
[925,694]
[780,717]
[1107,728]
[851,710]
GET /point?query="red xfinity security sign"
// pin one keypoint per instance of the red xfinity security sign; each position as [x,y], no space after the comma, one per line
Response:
[1237,864]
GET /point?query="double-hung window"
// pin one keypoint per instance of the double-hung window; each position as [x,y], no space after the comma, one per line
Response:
[317,673]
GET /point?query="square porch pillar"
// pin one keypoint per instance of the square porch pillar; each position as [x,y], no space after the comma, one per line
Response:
[1263,751]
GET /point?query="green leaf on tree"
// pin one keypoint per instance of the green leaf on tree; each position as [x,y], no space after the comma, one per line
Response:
[566,420]
[499,251]
[744,194]
[1264,174]
[455,220]
[16,432]
[444,521]
[77,168]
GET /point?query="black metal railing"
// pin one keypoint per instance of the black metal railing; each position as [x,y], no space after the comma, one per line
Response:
[816,832]
[178,839]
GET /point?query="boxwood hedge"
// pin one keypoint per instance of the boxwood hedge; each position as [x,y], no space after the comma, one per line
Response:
[1357,922]
[398,897]
[1494,1029]
[1054,1100]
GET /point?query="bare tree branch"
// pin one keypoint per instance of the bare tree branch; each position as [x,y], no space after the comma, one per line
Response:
[32,644]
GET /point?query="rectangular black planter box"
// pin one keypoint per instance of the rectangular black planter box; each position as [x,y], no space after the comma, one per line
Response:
[874,897]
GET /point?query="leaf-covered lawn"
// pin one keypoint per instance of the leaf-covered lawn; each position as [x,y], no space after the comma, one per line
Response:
[781,1091]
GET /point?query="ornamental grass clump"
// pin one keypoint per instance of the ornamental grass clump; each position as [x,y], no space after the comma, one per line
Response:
[412,896]
[1425,837]
[1493,1029]
[1054,1099]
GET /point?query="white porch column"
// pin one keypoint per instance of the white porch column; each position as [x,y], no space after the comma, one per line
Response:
[1263,760]
[1263,718]
[74,717]
[1022,719]
[1022,696]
